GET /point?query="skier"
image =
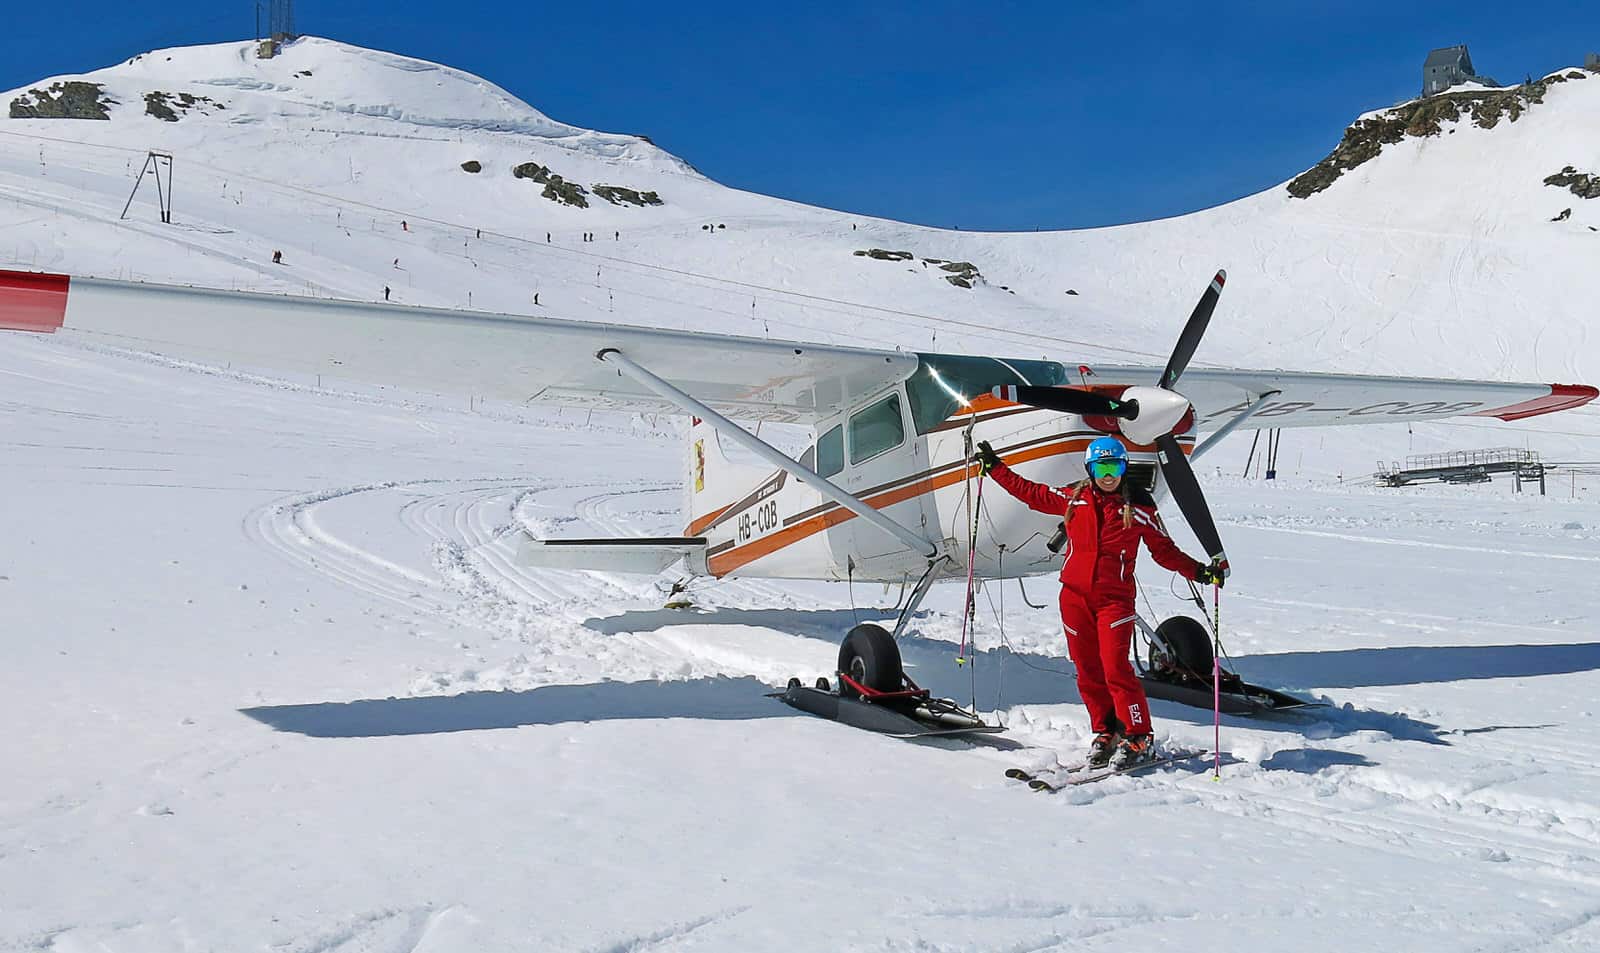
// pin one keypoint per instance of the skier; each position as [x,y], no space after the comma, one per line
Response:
[386,292]
[1105,517]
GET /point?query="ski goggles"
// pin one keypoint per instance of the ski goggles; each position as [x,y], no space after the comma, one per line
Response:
[1107,468]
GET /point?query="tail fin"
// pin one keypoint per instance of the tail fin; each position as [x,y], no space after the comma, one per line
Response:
[713,482]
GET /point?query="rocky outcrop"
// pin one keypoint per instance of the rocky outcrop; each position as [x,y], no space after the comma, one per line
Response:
[621,195]
[962,274]
[168,106]
[1365,139]
[556,189]
[70,100]
[1584,185]
[472,165]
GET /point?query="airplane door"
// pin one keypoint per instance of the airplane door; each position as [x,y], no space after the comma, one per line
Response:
[886,466]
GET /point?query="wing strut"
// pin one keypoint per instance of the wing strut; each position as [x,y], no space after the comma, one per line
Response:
[1232,425]
[765,451]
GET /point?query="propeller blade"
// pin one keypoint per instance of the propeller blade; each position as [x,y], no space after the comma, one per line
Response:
[1193,332]
[1185,490]
[1068,400]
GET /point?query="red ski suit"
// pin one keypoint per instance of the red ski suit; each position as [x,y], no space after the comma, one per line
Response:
[1097,588]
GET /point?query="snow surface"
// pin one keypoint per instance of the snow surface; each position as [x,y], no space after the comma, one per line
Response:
[274,681]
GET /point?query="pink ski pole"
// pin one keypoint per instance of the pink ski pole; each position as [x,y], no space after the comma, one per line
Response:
[972,562]
[1216,682]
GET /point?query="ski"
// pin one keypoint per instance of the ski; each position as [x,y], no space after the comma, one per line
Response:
[1082,774]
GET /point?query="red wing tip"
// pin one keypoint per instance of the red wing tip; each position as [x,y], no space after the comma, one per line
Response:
[32,301]
[1561,397]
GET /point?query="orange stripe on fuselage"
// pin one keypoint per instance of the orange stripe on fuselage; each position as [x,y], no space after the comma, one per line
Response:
[706,519]
[726,562]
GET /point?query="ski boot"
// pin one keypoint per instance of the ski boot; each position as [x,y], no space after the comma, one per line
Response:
[1101,749]
[1132,750]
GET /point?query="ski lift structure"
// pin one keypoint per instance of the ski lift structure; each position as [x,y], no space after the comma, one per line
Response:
[1466,466]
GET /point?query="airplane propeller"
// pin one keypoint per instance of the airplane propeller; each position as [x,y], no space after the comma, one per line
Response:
[1149,415]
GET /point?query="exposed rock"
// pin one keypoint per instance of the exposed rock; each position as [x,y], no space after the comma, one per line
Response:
[167,106]
[1577,74]
[70,100]
[884,254]
[1072,291]
[958,281]
[472,165]
[567,193]
[531,170]
[1566,213]
[963,273]
[619,195]
[1582,184]
[556,189]
[1365,139]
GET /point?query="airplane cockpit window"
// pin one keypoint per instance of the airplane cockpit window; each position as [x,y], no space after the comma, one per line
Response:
[830,452]
[809,458]
[876,429]
[943,383]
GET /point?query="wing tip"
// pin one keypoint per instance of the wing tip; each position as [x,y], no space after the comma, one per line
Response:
[33,301]
[1561,397]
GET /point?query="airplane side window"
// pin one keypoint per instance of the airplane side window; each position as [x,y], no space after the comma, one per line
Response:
[876,429]
[830,452]
[809,458]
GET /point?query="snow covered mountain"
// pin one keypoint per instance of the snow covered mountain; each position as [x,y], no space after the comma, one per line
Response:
[273,679]
[1437,257]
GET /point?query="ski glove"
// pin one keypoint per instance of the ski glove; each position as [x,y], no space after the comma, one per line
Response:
[987,458]
[1210,575]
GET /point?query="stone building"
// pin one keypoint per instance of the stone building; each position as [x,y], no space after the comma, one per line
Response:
[1445,68]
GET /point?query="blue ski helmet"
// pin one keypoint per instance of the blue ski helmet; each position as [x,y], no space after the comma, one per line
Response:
[1105,457]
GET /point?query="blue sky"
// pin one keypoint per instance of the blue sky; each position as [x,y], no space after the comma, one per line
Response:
[990,115]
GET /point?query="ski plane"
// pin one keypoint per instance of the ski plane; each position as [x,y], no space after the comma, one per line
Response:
[885,489]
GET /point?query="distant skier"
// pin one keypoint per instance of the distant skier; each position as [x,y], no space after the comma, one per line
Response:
[277,257]
[386,292]
[1106,517]
[404,227]
[616,236]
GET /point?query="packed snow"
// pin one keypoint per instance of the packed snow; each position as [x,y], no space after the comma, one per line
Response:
[274,679]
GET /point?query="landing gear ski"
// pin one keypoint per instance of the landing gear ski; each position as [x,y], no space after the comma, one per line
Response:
[1177,668]
[874,693]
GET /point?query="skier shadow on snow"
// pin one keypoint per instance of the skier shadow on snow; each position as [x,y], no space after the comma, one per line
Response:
[717,698]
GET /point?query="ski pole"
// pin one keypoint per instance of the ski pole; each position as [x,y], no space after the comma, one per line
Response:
[1216,681]
[972,561]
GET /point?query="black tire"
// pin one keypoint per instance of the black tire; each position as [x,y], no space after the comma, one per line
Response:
[795,683]
[870,656]
[822,684]
[1189,643]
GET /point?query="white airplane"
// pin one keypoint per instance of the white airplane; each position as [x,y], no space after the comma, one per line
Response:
[884,492]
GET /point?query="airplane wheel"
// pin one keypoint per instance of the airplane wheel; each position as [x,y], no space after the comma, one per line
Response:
[822,685]
[1187,642]
[870,656]
[794,683]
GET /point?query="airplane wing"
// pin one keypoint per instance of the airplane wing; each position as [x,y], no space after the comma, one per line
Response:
[1305,399]
[549,360]
[511,357]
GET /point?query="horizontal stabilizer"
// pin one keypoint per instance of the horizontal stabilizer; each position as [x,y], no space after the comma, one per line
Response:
[640,554]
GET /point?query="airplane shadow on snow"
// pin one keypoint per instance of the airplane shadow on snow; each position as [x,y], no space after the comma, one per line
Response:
[996,675]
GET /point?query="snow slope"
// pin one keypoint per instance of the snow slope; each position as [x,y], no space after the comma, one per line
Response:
[273,681]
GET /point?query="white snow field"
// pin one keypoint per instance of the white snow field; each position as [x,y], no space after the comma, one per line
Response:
[271,679]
